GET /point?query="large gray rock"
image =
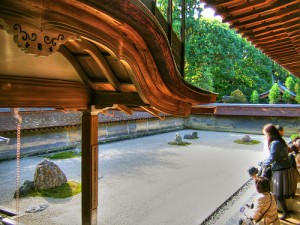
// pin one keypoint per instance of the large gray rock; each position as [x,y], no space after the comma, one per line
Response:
[48,175]
[246,138]
[178,139]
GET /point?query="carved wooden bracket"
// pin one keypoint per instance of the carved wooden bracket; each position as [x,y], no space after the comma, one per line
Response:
[34,41]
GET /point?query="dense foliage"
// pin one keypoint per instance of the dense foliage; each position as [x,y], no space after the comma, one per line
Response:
[236,97]
[220,60]
[274,94]
[254,98]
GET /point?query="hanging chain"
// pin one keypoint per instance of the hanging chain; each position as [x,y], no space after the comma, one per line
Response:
[15,114]
[18,167]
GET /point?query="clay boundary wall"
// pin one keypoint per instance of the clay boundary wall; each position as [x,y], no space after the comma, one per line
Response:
[52,139]
[50,131]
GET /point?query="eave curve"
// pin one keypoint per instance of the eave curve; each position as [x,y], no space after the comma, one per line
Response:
[119,50]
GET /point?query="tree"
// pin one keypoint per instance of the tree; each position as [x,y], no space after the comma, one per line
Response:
[237,97]
[217,58]
[274,94]
[290,83]
[286,97]
[254,98]
[297,90]
[298,98]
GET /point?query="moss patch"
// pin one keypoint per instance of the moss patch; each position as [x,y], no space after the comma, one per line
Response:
[64,155]
[66,190]
[182,144]
[252,142]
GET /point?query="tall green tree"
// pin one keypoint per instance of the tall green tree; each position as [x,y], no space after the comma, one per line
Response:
[297,90]
[237,97]
[290,83]
[254,98]
[286,97]
[274,94]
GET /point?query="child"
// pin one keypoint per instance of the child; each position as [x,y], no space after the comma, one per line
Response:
[264,204]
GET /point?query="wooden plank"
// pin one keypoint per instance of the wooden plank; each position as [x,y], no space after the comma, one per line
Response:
[33,92]
[89,168]
[203,110]
[110,98]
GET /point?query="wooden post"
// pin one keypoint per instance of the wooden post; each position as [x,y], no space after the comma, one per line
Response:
[170,20]
[89,168]
[183,9]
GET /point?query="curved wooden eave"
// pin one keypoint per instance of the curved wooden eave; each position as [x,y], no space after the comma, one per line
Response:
[139,25]
[116,25]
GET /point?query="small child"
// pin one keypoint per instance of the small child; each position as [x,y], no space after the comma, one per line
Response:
[264,205]
[252,171]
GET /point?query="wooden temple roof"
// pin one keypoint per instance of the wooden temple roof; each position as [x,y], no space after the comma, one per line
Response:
[106,54]
[273,26]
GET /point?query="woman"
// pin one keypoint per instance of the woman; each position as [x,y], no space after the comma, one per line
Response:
[292,156]
[282,179]
[264,204]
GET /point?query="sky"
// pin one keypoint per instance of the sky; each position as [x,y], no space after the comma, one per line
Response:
[209,13]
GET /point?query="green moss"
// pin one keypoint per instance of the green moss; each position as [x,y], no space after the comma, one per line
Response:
[252,142]
[66,190]
[182,144]
[64,155]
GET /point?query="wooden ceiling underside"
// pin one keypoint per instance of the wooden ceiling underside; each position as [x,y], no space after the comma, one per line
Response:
[117,48]
[273,26]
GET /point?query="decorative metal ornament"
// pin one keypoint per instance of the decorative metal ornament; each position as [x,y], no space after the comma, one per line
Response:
[33,40]
[38,42]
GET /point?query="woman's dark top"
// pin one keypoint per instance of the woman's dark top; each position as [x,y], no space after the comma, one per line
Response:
[278,156]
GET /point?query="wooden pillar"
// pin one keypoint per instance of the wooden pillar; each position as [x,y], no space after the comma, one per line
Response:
[183,9]
[170,20]
[89,168]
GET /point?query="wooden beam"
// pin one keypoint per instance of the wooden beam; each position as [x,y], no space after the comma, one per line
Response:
[34,92]
[89,168]
[110,98]
[222,3]
[269,39]
[268,9]
[275,43]
[125,109]
[203,110]
[267,25]
[242,7]
[96,54]
[287,53]
[153,112]
[279,48]
[71,58]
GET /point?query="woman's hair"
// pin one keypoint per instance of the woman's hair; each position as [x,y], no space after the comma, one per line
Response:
[279,128]
[294,149]
[262,184]
[272,134]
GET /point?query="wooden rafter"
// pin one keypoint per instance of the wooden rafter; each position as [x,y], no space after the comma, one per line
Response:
[66,53]
[153,112]
[107,98]
[33,92]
